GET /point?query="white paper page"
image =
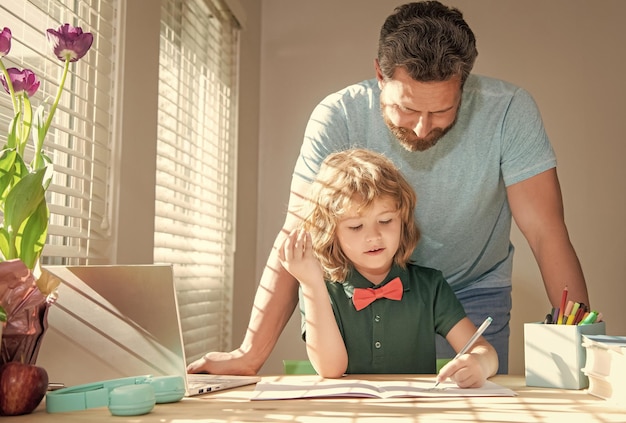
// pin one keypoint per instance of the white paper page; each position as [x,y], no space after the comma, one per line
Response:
[315,387]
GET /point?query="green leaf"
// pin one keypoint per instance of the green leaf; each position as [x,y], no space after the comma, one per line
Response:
[39,136]
[33,235]
[4,243]
[21,202]
[7,159]
[27,120]
[3,314]
[11,136]
[47,161]
[7,170]
[21,169]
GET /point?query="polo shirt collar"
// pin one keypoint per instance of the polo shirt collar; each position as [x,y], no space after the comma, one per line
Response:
[356,280]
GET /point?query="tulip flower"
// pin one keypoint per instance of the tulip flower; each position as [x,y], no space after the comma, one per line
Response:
[5,47]
[24,212]
[69,45]
[69,42]
[22,80]
[23,85]
[5,42]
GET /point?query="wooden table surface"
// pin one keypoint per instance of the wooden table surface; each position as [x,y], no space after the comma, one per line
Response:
[234,405]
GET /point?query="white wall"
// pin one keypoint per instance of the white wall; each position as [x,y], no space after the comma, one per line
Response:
[247,170]
[137,122]
[567,53]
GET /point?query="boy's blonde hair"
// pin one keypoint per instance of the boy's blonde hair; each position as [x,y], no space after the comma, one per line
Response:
[356,175]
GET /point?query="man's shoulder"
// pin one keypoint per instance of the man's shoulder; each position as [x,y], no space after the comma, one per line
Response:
[356,106]
[365,89]
[366,85]
[487,85]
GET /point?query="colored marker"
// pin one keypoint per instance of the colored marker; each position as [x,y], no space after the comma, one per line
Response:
[568,310]
[562,308]
[572,314]
[584,317]
[591,318]
[580,313]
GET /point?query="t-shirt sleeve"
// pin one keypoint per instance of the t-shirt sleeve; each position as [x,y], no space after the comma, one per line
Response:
[526,149]
[326,132]
[448,309]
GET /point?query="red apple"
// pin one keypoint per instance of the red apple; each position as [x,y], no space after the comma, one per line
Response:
[22,387]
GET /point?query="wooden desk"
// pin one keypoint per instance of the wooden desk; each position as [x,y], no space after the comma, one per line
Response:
[530,405]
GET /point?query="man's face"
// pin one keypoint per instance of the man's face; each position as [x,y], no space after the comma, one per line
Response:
[419,113]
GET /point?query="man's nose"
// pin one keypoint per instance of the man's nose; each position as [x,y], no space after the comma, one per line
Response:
[423,125]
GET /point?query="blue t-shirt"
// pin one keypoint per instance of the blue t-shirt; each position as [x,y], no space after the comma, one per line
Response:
[462,209]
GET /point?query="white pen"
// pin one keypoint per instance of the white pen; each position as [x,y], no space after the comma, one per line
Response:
[471,341]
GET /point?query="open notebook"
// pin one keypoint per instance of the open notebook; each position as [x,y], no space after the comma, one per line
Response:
[119,321]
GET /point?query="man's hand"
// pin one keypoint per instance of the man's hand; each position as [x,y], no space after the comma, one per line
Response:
[223,363]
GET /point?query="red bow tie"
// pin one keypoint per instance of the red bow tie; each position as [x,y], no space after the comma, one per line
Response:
[363,297]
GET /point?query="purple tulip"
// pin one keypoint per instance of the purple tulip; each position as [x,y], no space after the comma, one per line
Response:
[5,42]
[70,42]
[24,80]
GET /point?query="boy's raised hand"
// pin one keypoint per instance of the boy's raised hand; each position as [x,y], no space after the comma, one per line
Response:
[296,256]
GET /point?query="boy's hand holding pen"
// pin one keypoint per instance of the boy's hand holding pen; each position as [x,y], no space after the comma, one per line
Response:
[572,313]
[469,343]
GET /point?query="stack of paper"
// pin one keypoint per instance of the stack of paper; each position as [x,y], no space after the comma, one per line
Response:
[606,366]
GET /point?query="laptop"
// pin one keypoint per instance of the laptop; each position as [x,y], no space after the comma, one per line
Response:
[119,321]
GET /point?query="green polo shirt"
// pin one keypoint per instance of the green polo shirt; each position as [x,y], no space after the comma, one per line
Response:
[391,336]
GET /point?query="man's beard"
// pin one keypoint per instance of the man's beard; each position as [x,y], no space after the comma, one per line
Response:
[412,142]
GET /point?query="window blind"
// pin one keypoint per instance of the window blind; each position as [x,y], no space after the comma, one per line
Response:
[79,140]
[196,165]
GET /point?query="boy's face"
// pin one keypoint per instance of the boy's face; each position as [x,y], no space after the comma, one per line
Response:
[370,238]
[419,113]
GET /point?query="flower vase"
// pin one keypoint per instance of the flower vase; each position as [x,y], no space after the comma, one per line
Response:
[22,342]
[26,308]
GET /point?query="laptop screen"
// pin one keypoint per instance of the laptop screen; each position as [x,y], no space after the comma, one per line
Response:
[111,322]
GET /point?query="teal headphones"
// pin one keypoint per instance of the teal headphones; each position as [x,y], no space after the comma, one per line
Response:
[131,396]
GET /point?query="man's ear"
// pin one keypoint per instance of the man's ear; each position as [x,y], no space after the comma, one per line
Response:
[379,73]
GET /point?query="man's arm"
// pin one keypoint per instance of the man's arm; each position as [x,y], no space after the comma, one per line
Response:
[537,207]
[274,303]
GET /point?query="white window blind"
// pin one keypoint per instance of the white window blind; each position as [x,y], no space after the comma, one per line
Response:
[196,165]
[79,140]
